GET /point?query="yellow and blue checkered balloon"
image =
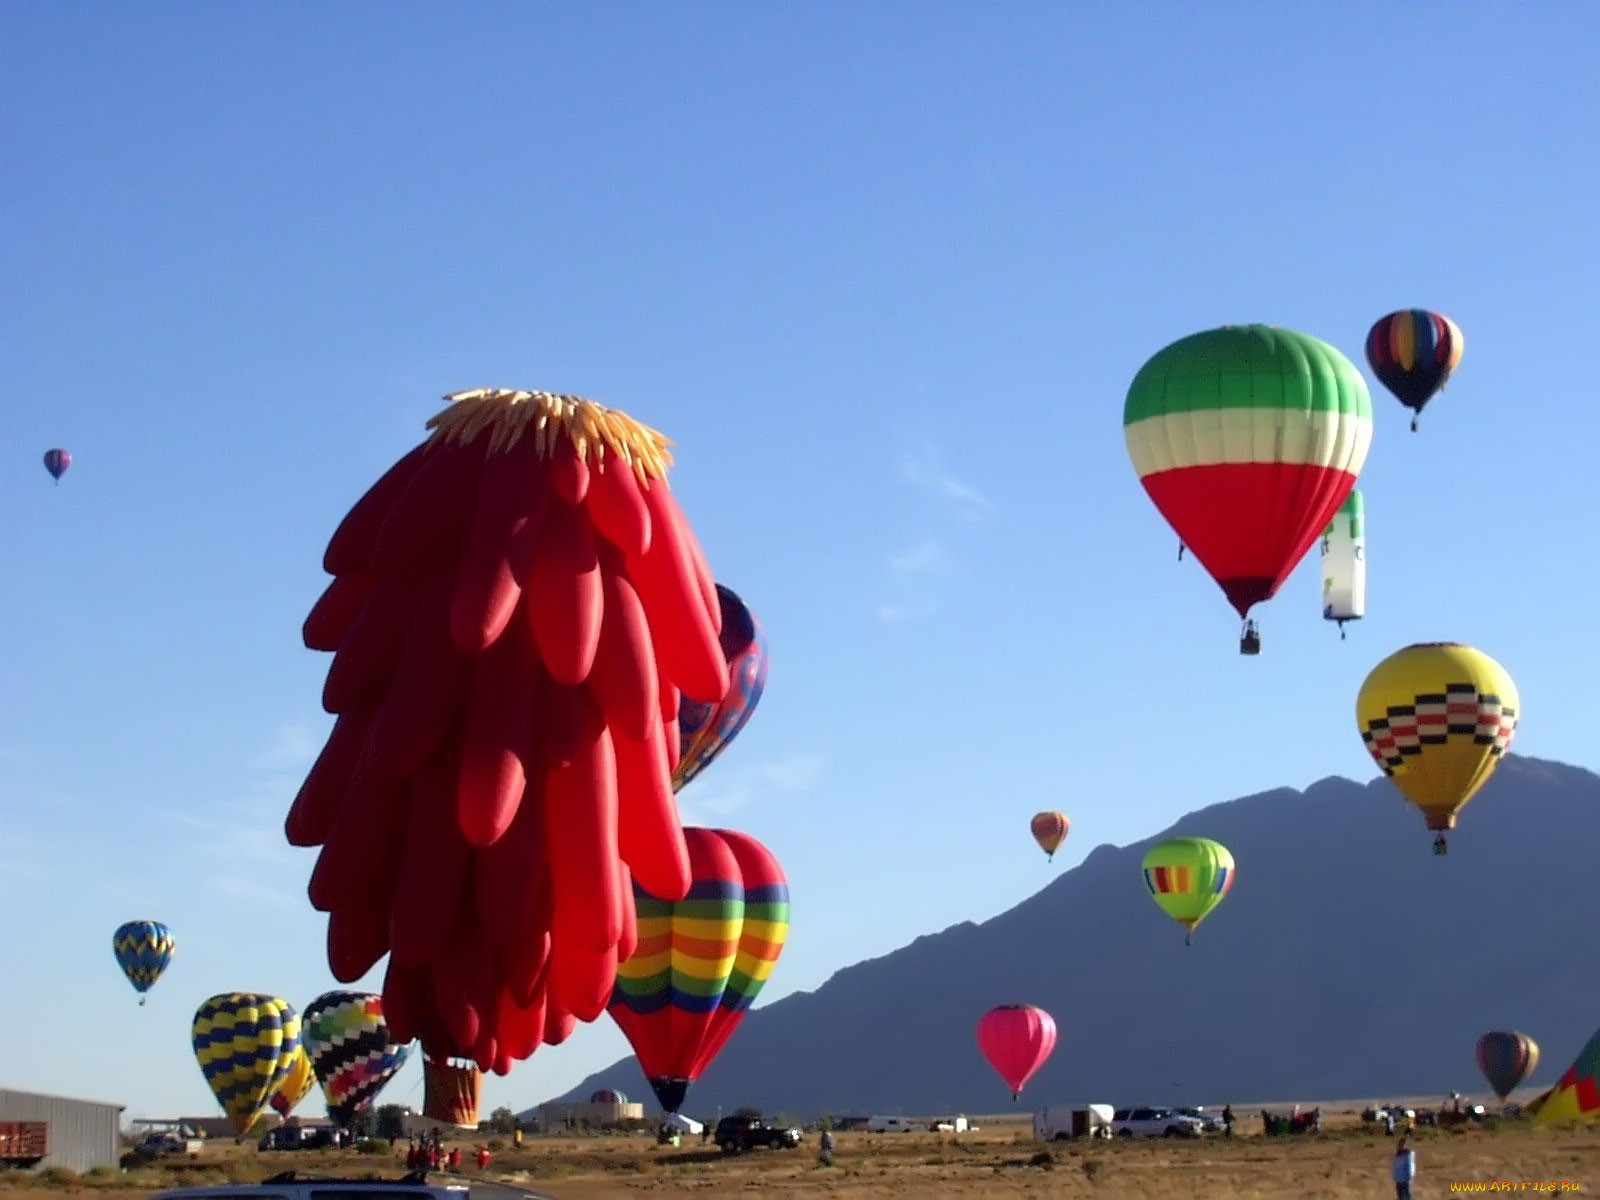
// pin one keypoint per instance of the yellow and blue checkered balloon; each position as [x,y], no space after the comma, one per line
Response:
[246,1044]
[143,950]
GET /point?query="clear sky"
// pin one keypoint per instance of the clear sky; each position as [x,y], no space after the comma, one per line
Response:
[884,273]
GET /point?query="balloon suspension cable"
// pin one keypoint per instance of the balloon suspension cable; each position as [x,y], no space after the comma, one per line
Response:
[592,428]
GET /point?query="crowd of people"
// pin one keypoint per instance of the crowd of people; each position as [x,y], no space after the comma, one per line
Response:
[429,1154]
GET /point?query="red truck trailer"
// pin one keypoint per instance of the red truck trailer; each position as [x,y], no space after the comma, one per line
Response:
[23,1143]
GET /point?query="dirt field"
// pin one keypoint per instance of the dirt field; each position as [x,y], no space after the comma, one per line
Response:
[1347,1160]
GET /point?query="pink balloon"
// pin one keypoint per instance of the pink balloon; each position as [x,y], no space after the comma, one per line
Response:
[1016,1039]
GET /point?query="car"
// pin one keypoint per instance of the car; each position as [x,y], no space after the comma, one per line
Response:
[1154,1122]
[1210,1122]
[154,1145]
[292,1185]
[298,1137]
[734,1134]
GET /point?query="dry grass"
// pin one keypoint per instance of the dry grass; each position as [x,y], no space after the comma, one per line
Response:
[1000,1160]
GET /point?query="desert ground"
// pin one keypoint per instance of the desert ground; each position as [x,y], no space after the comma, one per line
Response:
[1000,1159]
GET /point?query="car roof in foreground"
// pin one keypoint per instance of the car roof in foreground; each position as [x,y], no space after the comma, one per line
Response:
[408,1185]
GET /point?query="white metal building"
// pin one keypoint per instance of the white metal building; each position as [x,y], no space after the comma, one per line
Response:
[84,1134]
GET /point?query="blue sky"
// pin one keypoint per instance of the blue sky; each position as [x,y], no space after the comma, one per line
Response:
[883,272]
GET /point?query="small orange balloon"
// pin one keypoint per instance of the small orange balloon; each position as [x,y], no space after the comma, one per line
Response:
[1049,830]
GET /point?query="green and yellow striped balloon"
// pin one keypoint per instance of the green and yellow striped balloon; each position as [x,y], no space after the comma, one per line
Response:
[1188,877]
[246,1043]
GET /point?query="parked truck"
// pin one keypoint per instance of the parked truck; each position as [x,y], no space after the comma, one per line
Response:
[1058,1122]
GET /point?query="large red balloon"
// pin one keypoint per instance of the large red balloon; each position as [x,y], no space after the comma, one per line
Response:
[1016,1039]
[518,609]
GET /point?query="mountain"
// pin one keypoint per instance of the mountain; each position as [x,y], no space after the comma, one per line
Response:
[1347,961]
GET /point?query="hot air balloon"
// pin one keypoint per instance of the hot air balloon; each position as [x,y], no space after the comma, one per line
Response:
[1437,717]
[1188,877]
[1344,564]
[1016,1039]
[56,462]
[245,1043]
[452,1089]
[701,961]
[518,607]
[1506,1058]
[143,949]
[1248,438]
[351,1049]
[1412,352]
[300,1080]
[1577,1093]
[1049,830]
[704,730]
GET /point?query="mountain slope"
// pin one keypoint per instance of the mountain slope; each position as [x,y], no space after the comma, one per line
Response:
[1347,961]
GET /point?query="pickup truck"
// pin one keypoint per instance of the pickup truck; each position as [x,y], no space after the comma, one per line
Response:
[734,1134]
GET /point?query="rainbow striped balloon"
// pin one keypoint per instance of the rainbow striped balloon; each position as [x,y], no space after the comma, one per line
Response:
[1412,352]
[701,962]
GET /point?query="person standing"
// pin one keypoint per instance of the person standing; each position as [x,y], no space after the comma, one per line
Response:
[1403,1170]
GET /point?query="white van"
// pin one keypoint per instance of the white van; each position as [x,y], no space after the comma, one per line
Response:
[1058,1122]
[891,1125]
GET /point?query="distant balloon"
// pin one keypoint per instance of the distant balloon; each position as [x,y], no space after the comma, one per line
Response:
[1506,1058]
[56,462]
[1188,877]
[1049,830]
[1344,563]
[1412,352]
[704,730]
[143,950]
[1437,717]
[245,1043]
[1016,1039]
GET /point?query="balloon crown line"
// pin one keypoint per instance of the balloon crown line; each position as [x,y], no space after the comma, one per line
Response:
[592,428]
